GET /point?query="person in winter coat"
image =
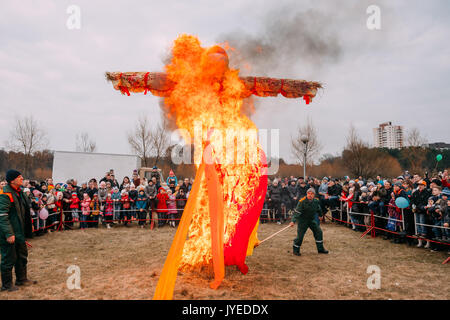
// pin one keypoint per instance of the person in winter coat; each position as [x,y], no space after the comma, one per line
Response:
[162,206]
[126,181]
[102,193]
[52,219]
[275,200]
[95,212]
[133,194]
[66,201]
[181,203]
[293,194]
[435,211]
[125,210]
[151,192]
[75,206]
[85,211]
[39,224]
[306,214]
[285,201]
[115,197]
[186,186]
[156,173]
[172,208]
[91,188]
[108,210]
[419,201]
[172,181]
[15,227]
[141,207]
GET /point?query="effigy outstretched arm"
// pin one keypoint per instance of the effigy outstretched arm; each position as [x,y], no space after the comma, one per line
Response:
[158,84]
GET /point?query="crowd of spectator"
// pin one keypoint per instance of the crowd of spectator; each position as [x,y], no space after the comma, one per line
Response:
[424,222]
[68,205]
[352,202]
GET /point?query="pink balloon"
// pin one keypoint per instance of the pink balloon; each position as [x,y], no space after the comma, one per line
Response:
[43,214]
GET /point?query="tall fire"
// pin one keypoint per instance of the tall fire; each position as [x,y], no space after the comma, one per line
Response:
[201,93]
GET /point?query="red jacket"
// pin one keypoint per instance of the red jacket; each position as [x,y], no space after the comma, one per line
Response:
[162,205]
[75,203]
[125,202]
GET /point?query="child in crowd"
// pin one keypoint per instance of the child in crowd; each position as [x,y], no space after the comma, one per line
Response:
[59,209]
[141,207]
[364,199]
[74,206]
[161,207]
[38,224]
[115,196]
[133,194]
[51,208]
[85,211]
[109,210]
[435,206]
[172,208]
[125,210]
[95,211]
[181,203]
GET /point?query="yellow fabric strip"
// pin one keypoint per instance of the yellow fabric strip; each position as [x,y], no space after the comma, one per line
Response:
[215,197]
[166,282]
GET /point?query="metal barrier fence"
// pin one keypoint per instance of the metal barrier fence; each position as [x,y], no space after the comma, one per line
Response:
[372,226]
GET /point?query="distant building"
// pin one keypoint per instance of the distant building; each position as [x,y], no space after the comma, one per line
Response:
[388,136]
[438,145]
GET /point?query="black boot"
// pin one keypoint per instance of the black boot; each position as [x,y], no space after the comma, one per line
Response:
[320,248]
[7,283]
[21,277]
[296,250]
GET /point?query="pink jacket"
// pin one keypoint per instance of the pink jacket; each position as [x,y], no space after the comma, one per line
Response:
[85,209]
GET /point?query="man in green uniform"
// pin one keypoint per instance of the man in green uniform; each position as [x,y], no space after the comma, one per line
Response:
[306,215]
[15,226]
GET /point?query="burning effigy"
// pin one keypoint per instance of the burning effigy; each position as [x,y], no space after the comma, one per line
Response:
[219,223]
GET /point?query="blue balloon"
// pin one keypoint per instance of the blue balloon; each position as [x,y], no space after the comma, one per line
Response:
[402,203]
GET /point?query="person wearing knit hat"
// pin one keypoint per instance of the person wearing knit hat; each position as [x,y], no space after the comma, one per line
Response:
[12,175]
[172,180]
[15,227]
[161,207]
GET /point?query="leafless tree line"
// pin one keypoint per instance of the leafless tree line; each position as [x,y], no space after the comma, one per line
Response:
[152,143]
[149,141]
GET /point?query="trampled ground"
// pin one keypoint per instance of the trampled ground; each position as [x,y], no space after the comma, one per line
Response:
[125,263]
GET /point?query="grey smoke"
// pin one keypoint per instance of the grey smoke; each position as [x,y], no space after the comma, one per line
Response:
[288,37]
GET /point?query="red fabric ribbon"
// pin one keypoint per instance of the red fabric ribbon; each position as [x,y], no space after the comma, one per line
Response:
[235,250]
[306,98]
[145,82]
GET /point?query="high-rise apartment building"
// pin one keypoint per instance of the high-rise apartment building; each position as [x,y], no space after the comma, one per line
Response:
[388,136]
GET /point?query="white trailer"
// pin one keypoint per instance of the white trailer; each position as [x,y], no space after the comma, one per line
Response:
[84,166]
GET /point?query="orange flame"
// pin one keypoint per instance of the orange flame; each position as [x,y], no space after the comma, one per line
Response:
[208,93]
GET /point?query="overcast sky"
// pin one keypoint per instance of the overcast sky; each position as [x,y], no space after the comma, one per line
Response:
[400,73]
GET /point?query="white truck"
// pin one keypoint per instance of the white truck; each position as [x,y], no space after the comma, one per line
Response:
[83,166]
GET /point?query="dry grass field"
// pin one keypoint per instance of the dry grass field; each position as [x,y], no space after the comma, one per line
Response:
[125,263]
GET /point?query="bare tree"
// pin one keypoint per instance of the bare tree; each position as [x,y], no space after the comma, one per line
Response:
[313,146]
[140,139]
[415,139]
[414,153]
[160,141]
[27,137]
[83,143]
[363,161]
[354,154]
